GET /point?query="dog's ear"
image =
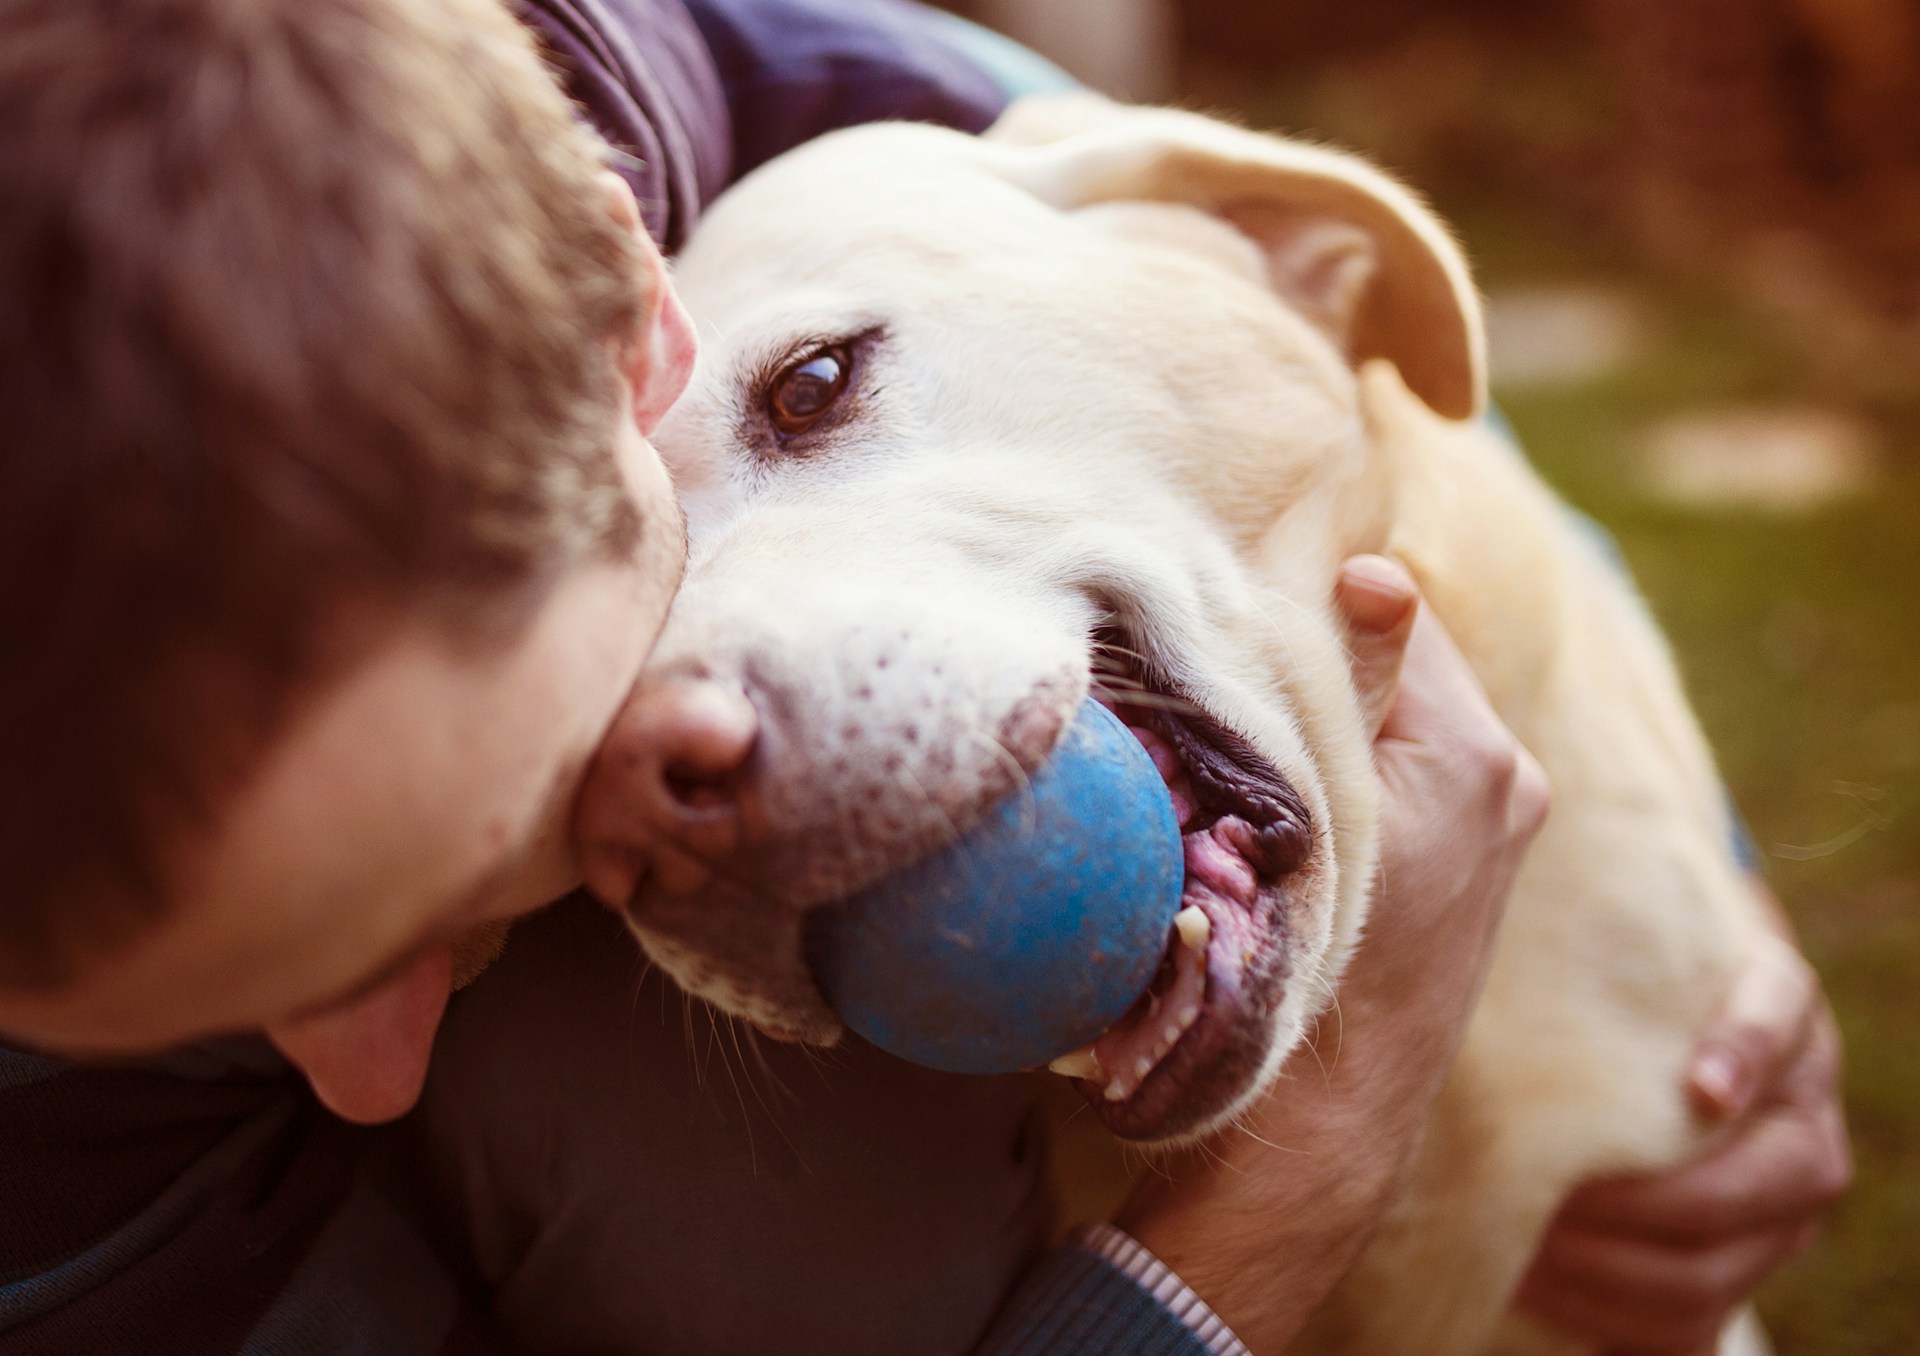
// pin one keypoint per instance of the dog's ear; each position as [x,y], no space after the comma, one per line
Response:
[1358,254]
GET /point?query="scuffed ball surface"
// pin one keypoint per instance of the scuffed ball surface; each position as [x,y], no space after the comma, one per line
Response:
[1032,933]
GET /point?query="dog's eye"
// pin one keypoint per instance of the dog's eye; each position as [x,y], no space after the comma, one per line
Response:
[806,389]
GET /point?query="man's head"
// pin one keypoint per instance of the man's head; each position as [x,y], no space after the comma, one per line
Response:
[329,539]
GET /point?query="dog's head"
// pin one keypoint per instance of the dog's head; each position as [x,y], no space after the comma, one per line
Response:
[981,426]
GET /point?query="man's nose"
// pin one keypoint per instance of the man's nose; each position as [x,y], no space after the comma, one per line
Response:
[671,789]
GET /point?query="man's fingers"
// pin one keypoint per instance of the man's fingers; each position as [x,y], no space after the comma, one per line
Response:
[1439,703]
[1379,600]
[1676,1285]
[1529,795]
[1579,1312]
[1647,1298]
[1762,1026]
[1785,1168]
[1653,1264]
[1438,700]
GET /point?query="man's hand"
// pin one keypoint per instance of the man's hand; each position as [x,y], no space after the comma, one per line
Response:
[1264,1219]
[1655,1265]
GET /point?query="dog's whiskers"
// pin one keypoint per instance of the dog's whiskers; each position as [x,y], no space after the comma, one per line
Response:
[746,1074]
[1286,642]
[693,1042]
[1240,1123]
[746,1117]
[1003,755]
[1130,694]
[1105,649]
[905,778]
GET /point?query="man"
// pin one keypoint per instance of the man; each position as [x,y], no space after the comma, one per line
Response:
[333,544]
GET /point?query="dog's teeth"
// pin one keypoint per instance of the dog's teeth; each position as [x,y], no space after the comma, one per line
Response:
[1194,927]
[1188,1016]
[1080,1064]
[1117,1091]
[1173,1034]
[1142,1067]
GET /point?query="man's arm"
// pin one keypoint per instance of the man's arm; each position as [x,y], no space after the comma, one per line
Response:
[642,77]
[797,69]
[692,94]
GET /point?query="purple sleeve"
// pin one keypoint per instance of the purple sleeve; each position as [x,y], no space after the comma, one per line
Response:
[794,69]
[695,93]
[641,74]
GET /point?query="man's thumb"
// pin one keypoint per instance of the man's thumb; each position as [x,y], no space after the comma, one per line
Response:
[1759,1029]
[1379,600]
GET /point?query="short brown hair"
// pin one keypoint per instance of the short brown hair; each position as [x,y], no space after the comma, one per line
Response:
[298,298]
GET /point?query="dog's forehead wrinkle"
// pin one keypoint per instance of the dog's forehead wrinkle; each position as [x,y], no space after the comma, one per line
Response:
[1179,228]
[824,260]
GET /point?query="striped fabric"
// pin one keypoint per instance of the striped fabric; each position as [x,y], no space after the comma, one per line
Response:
[1105,1295]
[1133,1260]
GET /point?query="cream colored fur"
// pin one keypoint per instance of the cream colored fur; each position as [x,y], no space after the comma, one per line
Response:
[1147,363]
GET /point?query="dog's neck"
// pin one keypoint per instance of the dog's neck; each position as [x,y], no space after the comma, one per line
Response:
[1445,482]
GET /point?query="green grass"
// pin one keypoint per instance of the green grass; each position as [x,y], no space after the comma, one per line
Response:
[1800,640]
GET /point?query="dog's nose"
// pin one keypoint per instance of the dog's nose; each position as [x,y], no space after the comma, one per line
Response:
[665,797]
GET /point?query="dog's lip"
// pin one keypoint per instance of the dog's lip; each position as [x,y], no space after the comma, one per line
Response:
[1210,1065]
[1232,801]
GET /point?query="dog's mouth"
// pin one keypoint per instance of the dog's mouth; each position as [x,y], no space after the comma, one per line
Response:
[1191,1045]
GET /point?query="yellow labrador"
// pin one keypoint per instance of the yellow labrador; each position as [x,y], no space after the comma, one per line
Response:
[1097,404]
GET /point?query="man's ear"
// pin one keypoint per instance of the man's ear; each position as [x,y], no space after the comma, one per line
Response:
[617,201]
[658,357]
[1358,254]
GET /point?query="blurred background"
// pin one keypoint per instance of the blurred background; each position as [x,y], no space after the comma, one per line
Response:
[1697,223]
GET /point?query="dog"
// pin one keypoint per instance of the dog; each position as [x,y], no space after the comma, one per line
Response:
[1096,405]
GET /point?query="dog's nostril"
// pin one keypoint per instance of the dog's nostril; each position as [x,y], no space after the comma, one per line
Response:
[694,789]
[695,741]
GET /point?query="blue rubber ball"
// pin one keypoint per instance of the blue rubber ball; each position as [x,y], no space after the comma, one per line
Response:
[1033,932]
